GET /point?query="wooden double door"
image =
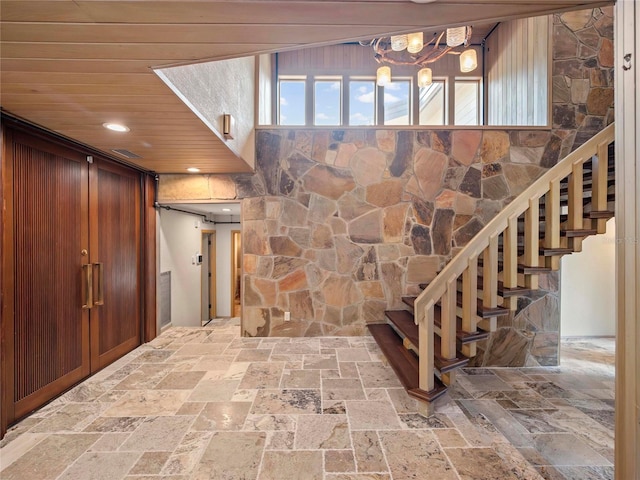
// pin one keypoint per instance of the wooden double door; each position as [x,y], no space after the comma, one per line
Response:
[71,280]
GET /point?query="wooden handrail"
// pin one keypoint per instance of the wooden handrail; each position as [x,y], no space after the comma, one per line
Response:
[443,289]
[437,288]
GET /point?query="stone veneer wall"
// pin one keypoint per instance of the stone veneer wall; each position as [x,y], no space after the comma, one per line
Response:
[338,224]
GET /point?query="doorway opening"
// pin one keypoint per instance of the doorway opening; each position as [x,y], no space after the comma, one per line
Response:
[236,273]
[208,272]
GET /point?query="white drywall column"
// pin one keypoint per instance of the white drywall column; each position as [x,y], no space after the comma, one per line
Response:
[587,288]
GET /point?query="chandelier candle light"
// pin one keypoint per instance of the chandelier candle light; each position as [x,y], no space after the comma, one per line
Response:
[390,51]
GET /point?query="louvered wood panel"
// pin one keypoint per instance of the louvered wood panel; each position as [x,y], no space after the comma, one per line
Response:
[50,328]
[516,63]
[115,231]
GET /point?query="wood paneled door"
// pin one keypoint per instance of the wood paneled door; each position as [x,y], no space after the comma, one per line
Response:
[71,268]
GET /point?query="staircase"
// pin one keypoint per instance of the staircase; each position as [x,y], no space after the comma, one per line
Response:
[438,331]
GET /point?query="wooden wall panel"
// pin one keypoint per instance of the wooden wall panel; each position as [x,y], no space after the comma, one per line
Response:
[115,243]
[50,341]
[355,59]
[516,69]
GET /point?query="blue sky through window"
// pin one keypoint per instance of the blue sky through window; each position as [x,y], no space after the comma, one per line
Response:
[292,102]
[396,103]
[327,102]
[362,102]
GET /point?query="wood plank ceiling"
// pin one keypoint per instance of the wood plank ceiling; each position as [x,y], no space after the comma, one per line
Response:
[71,65]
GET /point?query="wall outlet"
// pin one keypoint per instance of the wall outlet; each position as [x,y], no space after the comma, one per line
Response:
[287,316]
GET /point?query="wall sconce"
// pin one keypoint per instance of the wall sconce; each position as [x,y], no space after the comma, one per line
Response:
[228,126]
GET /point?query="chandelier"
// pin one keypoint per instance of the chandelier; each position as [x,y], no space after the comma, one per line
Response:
[411,50]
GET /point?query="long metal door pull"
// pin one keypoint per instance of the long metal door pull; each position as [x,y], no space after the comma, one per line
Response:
[88,286]
[100,299]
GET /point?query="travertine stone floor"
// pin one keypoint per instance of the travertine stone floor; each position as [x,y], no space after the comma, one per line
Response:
[204,403]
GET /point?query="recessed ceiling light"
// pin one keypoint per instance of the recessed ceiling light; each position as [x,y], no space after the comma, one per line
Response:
[193,169]
[116,127]
[226,209]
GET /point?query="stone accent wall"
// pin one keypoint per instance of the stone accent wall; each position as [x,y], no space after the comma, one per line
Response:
[338,224]
[352,220]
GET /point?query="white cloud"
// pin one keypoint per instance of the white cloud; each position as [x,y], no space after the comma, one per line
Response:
[335,86]
[360,119]
[322,116]
[390,98]
[392,86]
[283,118]
[283,101]
[367,97]
[363,89]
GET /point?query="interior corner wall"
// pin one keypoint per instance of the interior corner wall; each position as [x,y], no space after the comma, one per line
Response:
[180,240]
[587,288]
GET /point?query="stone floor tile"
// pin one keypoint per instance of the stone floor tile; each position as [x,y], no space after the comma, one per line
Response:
[150,463]
[53,455]
[342,389]
[339,461]
[322,432]
[566,449]
[139,403]
[409,452]
[287,401]
[300,379]
[101,466]
[479,464]
[377,375]
[222,416]
[372,415]
[292,465]
[262,375]
[231,455]
[180,380]
[151,435]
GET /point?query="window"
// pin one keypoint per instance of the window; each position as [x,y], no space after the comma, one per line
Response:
[432,104]
[327,102]
[362,102]
[397,103]
[333,100]
[467,102]
[291,104]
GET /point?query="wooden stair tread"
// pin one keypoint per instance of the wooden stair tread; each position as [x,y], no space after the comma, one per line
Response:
[512,292]
[404,362]
[579,232]
[405,324]
[524,269]
[481,310]
[409,301]
[594,214]
[462,336]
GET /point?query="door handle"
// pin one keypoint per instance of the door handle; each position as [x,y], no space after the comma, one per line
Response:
[100,299]
[88,286]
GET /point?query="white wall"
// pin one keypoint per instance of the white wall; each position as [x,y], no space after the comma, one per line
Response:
[216,88]
[223,268]
[180,239]
[587,287]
